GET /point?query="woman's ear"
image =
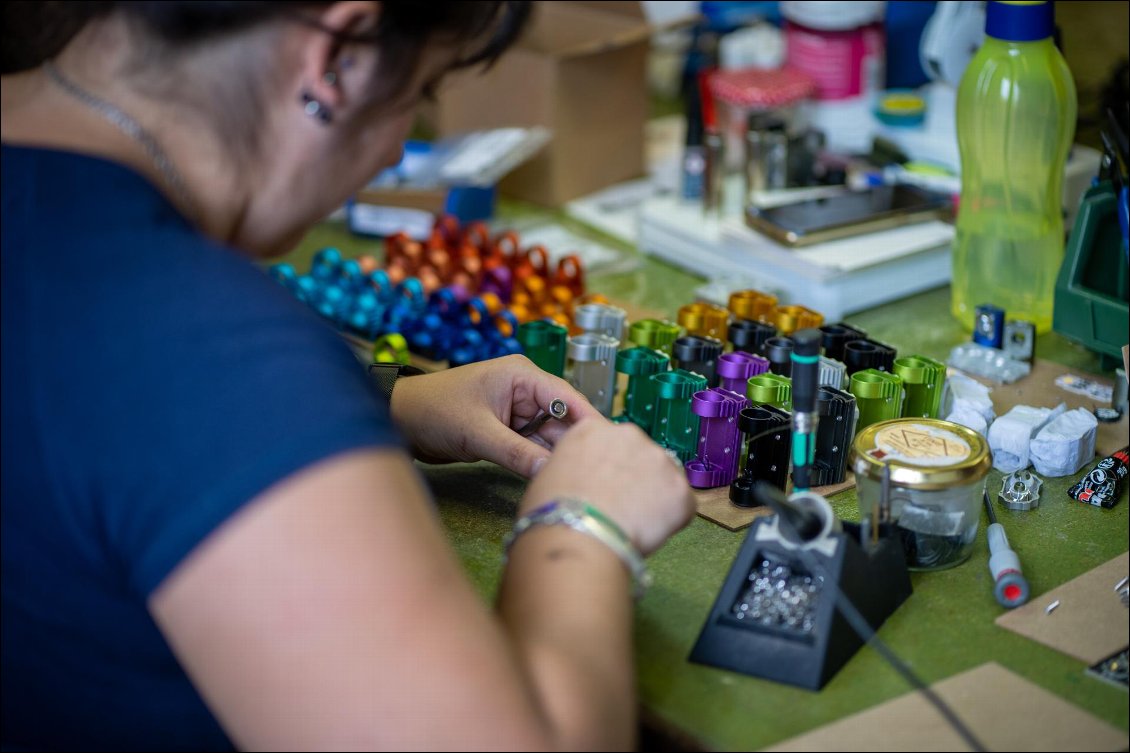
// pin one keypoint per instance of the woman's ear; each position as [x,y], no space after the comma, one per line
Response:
[333,71]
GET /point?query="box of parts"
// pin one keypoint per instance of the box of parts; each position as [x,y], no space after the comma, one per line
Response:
[579,71]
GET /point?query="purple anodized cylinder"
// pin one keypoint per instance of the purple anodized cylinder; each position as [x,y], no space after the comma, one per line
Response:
[719,439]
[735,369]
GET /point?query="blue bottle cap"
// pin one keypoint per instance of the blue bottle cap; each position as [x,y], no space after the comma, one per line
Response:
[1020,21]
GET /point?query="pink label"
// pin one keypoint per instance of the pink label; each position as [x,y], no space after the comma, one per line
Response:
[844,64]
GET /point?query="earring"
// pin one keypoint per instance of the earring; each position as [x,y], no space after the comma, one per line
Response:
[315,108]
[330,78]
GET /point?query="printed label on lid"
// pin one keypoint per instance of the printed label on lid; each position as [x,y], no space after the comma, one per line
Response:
[920,444]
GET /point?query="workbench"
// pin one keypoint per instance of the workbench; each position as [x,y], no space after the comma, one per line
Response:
[944,628]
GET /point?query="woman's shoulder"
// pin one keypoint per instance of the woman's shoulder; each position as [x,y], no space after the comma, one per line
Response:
[87,237]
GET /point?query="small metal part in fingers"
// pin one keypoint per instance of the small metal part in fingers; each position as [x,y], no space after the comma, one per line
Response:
[557,409]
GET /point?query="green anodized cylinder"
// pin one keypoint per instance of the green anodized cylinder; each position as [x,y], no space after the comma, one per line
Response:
[878,396]
[922,378]
[640,397]
[654,334]
[676,426]
[770,389]
[544,344]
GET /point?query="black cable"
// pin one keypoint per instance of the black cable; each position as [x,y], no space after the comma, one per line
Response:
[861,627]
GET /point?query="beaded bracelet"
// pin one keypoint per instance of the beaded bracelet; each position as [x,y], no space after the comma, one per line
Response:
[583,517]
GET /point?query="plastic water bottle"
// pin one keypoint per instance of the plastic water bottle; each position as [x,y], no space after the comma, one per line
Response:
[1015,123]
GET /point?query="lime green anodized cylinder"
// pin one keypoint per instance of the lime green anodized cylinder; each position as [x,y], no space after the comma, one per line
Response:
[878,395]
[922,378]
[770,389]
[654,333]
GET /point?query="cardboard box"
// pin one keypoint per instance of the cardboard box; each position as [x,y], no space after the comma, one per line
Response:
[579,70]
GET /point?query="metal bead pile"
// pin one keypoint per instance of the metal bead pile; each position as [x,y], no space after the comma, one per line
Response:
[779,597]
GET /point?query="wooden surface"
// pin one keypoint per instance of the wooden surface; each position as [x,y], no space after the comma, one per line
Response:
[1090,622]
[1003,710]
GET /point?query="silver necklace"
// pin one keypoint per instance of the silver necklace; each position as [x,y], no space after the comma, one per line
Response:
[131,128]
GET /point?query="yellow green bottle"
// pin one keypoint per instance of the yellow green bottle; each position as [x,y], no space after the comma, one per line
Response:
[1015,123]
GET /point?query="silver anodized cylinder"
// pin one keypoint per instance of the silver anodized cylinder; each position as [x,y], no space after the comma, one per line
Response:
[593,368]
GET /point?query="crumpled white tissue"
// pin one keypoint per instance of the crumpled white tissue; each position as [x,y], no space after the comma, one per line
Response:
[1010,436]
[1066,444]
[968,403]
[969,418]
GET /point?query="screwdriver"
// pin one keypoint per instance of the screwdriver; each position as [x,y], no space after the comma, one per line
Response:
[1011,588]
[557,409]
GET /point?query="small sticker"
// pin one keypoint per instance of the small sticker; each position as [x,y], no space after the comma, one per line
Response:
[921,444]
[1087,387]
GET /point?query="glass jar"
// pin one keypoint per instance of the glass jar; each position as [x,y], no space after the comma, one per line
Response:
[934,472]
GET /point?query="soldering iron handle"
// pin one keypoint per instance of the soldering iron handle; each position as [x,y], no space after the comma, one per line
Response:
[805,377]
[802,525]
[806,369]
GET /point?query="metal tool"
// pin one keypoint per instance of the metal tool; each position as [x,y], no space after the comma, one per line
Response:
[557,409]
[1011,587]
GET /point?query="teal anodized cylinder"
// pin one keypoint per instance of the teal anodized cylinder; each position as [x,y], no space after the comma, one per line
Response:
[878,395]
[922,378]
[639,364]
[675,426]
[544,343]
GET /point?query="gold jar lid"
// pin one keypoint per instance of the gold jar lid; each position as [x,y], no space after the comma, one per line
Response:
[923,453]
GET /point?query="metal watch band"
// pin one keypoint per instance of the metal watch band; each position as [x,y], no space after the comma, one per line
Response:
[384,375]
[584,518]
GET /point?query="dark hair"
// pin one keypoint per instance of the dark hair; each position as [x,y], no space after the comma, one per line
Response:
[35,32]
[32,32]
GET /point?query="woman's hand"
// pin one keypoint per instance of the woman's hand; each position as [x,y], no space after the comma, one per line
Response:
[473,413]
[623,473]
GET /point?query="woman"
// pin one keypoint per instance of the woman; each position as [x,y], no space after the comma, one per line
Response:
[212,536]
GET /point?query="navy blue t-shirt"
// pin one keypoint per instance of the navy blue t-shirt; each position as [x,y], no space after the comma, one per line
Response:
[153,383]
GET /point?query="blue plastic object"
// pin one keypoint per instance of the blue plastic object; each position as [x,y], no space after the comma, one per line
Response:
[905,20]
[728,16]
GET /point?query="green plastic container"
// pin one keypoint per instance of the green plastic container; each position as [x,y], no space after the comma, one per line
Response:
[1092,303]
[1016,112]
